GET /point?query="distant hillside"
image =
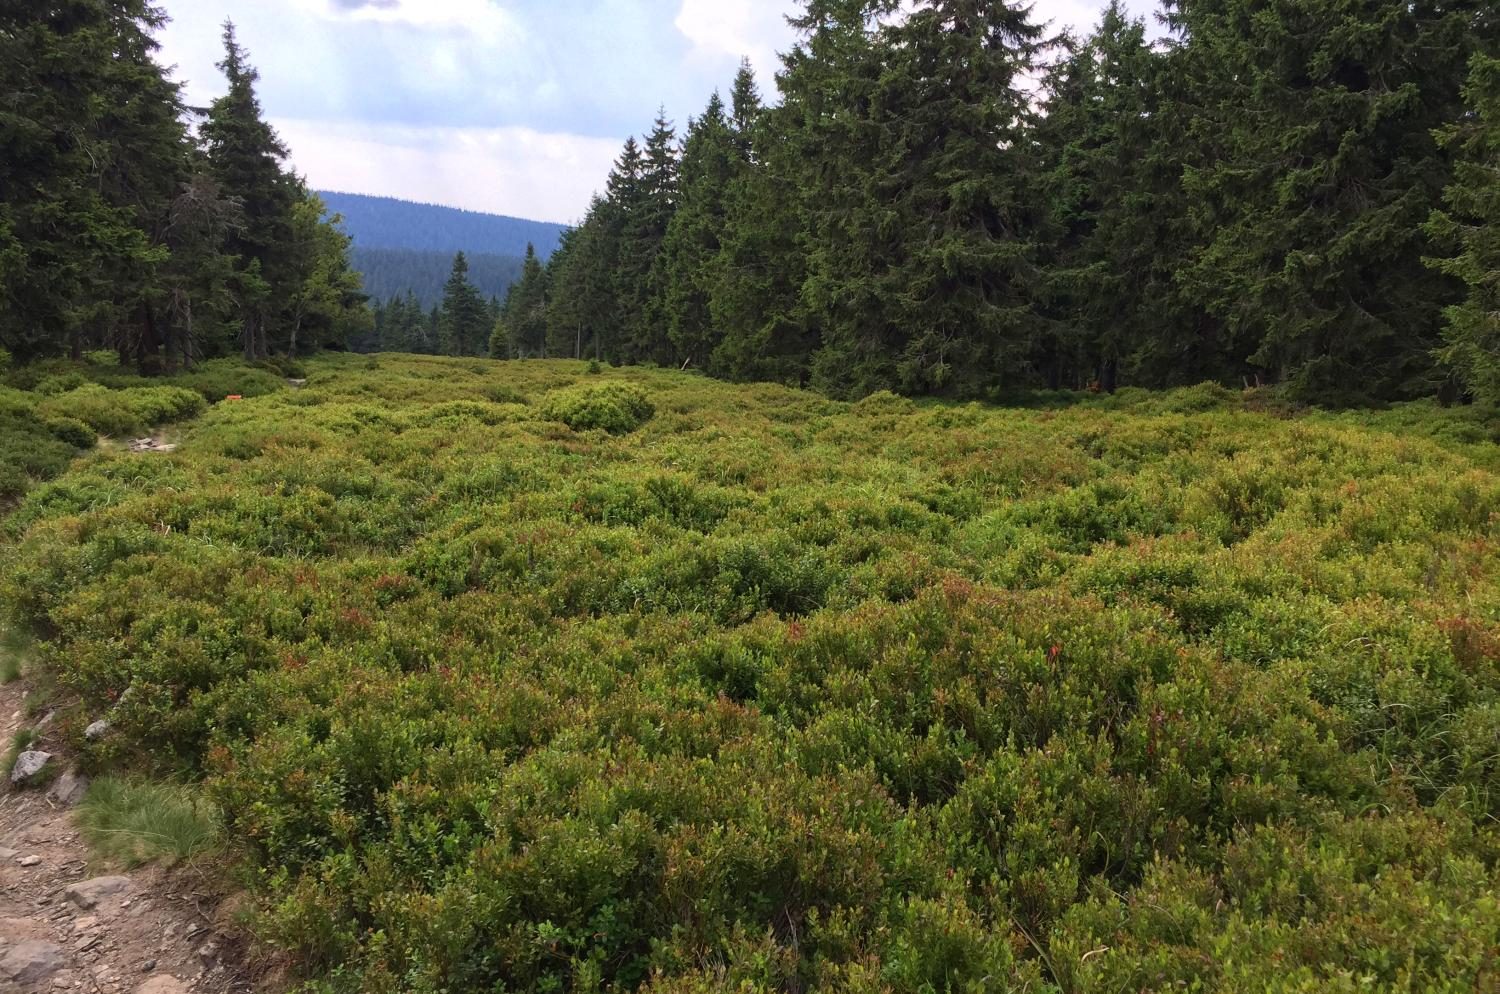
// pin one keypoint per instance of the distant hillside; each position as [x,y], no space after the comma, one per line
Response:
[391,272]
[386,223]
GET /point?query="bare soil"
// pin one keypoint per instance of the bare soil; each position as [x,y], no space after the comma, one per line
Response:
[169,931]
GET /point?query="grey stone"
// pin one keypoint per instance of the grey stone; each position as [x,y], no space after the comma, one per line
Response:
[97,730]
[28,765]
[29,860]
[69,789]
[87,894]
[31,961]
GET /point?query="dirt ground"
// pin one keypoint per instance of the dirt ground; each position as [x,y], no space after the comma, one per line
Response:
[143,931]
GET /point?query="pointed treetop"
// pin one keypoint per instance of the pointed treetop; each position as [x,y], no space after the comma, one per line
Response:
[236,65]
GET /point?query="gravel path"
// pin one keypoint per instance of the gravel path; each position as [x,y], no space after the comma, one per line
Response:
[69,923]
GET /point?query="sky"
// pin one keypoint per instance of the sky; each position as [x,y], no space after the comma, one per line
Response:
[508,106]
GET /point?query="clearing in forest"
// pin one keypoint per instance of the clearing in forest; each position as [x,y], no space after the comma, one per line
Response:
[521,676]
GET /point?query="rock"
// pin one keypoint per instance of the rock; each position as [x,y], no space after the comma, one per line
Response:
[29,860]
[162,984]
[148,966]
[31,961]
[28,765]
[88,893]
[68,790]
[97,730]
[208,953]
[8,853]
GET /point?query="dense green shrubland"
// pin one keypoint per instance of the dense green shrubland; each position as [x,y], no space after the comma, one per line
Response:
[51,411]
[779,693]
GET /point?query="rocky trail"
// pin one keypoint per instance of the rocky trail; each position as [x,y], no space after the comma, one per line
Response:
[68,922]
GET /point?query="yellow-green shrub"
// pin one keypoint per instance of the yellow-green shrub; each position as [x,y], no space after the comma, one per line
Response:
[772,692]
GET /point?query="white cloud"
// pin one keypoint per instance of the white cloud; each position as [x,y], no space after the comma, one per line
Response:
[509,170]
[481,17]
[483,103]
[733,29]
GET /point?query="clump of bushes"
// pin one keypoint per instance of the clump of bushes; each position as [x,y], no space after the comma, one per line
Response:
[33,448]
[499,393]
[617,408]
[123,412]
[72,431]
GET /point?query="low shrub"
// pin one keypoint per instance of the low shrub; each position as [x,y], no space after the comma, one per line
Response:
[129,411]
[617,408]
[72,431]
[1144,692]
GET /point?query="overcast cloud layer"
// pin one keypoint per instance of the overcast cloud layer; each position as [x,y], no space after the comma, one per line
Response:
[511,106]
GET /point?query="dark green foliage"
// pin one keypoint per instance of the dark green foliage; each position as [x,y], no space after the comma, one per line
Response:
[1312,171]
[641,278]
[393,273]
[1471,225]
[921,255]
[1110,182]
[520,332]
[464,323]
[119,229]
[1244,202]
[248,160]
[91,138]
[754,300]
[383,223]
[690,250]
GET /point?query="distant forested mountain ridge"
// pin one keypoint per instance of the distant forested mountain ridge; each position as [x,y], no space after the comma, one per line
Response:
[387,223]
[392,272]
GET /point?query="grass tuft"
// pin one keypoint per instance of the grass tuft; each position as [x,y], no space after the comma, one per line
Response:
[13,651]
[132,822]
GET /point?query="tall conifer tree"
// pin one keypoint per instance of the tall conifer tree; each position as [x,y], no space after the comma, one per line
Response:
[462,324]
[248,161]
[1316,168]
[1470,224]
[690,250]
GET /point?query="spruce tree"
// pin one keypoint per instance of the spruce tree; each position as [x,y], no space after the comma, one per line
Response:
[85,109]
[642,287]
[325,303]
[580,279]
[248,161]
[754,297]
[199,279]
[463,329]
[521,331]
[1316,169]
[622,275]
[690,250]
[1110,180]
[922,265]
[1470,225]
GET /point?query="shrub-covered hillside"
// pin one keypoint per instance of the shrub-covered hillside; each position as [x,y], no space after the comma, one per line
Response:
[738,688]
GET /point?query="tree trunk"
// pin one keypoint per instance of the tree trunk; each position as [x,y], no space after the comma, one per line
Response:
[1109,375]
[148,346]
